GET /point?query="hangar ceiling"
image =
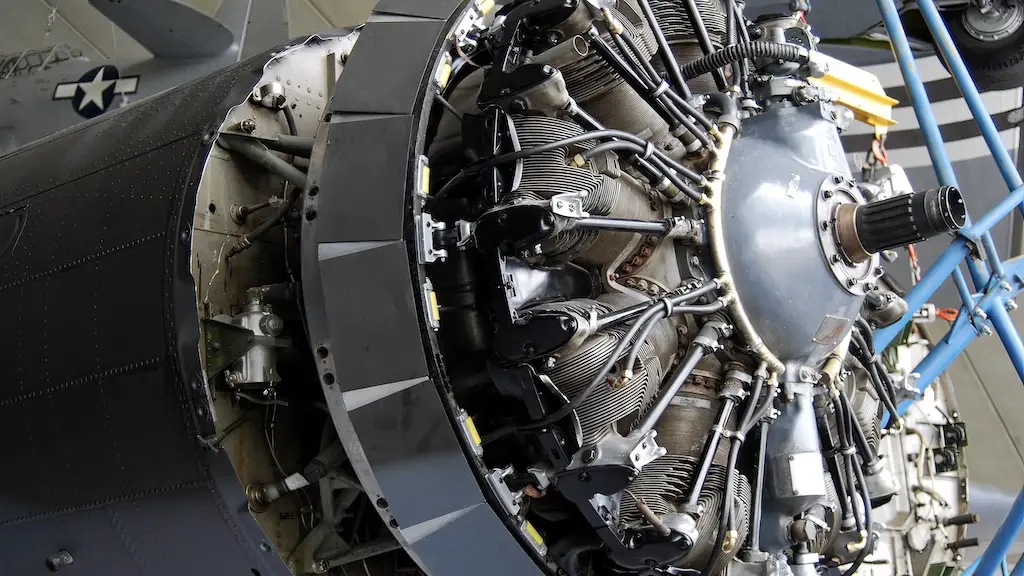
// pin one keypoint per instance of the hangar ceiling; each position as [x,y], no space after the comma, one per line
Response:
[23,24]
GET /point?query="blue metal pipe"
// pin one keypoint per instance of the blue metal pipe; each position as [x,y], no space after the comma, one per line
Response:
[1000,211]
[1018,570]
[961,287]
[1008,334]
[970,569]
[992,255]
[918,97]
[1002,567]
[1001,542]
[925,118]
[938,359]
[923,291]
[956,65]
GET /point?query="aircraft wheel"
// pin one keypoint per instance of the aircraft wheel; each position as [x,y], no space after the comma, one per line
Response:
[991,42]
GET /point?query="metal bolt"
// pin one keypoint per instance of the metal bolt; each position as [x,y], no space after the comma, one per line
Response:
[61,558]
[1011,305]
[695,261]
[319,567]
[981,314]
[851,282]
[248,125]
[824,224]
[584,477]
[837,179]
[792,457]
[1006,286]
[835,258]
[796,492]
[871,286]
[589,455]
[986,330]
[879,271]
[826,193]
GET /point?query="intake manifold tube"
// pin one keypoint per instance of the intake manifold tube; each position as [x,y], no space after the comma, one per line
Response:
[717,239]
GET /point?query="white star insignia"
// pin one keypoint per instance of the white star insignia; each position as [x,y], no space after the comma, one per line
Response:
[94,90]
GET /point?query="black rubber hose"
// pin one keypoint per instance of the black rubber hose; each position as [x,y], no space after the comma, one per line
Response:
[859,349]
[744,81]
[708,454]
[667,58]
[674,178]
[860,439]
[689,109]
[626,72]
[728,519]
[652,314]
[725,523]
[727,105]
[730,36]
[656,159]
[652,81]
[764,408]
[756,49]
[863,553]
[289,119]
[844,424]
[866,334]
[483,164]
[864,351]
[704,40]
[675,296]
[638,56]
[645,167]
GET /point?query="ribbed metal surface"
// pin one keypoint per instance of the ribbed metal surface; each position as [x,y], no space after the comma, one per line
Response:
[590,76]
[677,26]
[667,481]
[606,406]
[547,174]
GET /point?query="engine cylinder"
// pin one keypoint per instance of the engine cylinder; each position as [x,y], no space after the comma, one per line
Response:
[612,407]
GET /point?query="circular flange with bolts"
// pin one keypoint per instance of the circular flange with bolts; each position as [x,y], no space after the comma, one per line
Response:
[857,278]
[1000,20]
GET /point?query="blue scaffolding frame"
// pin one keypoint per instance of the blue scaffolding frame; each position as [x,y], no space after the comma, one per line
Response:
[996,282]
